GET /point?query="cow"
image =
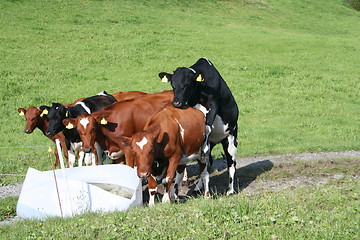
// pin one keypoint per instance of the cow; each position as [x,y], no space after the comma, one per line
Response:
[201,86]
[119,119]
[171,138]
[57,113]
[34,120]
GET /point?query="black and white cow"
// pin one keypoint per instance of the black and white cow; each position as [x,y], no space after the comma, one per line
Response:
[201,86]
[58,112]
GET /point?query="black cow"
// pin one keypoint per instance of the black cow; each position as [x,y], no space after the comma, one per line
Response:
[57,113]
[201,86]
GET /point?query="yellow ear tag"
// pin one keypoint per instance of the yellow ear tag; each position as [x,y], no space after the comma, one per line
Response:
[165,79]
[70,126]
[45,112]
[199,78]
[67,114]
[103,121]
[21,113]
[49,150]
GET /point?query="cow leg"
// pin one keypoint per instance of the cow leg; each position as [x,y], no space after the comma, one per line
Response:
[204,179]
[230,148]
[71,158]
[205,150]
[90,159]
[65,150]
[180,172]
[57,161]
[185,177]
[152,185]
[129,156]
[107,159]
[173,164]
[99,152]
[82,157]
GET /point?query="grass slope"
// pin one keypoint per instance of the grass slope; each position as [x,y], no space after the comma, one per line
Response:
[291,65]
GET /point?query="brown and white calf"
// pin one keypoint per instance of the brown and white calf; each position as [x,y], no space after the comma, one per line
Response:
[119,119]
[171,138]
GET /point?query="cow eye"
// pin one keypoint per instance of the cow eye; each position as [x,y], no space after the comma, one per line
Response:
[94,129]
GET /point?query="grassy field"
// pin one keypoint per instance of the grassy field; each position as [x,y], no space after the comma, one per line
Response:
[325,211]
[291,65]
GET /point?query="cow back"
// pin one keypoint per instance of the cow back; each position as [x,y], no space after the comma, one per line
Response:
[179,127]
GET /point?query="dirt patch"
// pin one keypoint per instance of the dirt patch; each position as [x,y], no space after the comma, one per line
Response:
[249,172]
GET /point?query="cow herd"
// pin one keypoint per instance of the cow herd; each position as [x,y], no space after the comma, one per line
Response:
[156,133]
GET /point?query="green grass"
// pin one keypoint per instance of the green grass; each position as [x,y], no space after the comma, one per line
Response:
[326,211]
[292,66]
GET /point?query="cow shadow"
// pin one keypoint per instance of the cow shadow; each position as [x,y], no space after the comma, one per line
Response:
[219,179]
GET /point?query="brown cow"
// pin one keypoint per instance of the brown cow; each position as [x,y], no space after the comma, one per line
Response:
[35,120]
[119,119]
[170,139]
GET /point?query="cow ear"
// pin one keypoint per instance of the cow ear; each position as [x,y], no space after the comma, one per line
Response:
[44,110]
[69,123]
[21,111]
[199,77]
[101,118]
[165,77]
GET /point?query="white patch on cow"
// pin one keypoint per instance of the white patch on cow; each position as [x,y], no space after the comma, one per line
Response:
[201,108]
[231,148]
[191,69]
[219,130]
[151,200]
[166,197]
[84,107]
[81,158]
[115,155]
[182,131]
[75,146]
[165,180]
[206,145]
[142,143]
[71,158]
[153,189]
[101,93]
[231,183]
[90,159]
[84,122]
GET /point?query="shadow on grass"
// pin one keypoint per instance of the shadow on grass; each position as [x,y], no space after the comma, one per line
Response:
[219,180]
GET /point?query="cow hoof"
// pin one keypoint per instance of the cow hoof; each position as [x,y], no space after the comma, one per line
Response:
[228,193]
[207,195]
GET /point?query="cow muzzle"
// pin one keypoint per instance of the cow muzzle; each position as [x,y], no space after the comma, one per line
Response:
[49,134]
[143,175]
[179,104]
[28,131]
[87,150]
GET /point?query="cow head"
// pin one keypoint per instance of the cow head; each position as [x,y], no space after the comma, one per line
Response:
[55,114]
[87,126]
[184,82]
[143,146]
[33,119]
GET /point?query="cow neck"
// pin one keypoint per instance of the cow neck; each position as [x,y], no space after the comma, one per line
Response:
[43,125]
